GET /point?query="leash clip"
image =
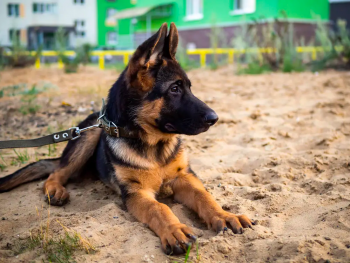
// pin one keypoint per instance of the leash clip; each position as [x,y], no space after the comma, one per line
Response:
[78,131]
[75,130]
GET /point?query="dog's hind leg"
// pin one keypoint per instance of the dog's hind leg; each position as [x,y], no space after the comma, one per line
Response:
[74,157]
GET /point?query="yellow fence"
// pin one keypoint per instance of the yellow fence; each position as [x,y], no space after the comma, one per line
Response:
[201,52]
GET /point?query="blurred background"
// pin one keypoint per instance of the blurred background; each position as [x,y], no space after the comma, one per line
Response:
[272,30]
[275,71]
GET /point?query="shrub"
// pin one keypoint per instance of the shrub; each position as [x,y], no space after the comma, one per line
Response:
[82,53]
[278,42]
[254,68]
[16,55]
[335,44]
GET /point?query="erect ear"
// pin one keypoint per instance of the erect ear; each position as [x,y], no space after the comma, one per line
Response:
[148,54]
[151,50]
[173,40]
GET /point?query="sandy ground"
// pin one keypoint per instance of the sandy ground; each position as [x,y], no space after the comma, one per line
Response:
[280,154]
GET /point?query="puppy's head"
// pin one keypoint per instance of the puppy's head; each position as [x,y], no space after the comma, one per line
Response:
[166,103]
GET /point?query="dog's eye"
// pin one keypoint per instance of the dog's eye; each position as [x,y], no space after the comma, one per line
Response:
[174,89]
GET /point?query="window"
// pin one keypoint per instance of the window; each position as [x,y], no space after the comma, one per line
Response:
[79,2]
[79,28]
[194,9]
[13,10]
[111,12]
[111,38]
[14,34]
[79,24]
[80,33]
[239,7]
[41,8]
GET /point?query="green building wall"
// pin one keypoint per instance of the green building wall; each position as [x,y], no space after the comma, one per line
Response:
[102,28]
[305,10]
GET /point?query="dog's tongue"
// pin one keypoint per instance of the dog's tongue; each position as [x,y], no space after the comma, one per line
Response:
[170,127]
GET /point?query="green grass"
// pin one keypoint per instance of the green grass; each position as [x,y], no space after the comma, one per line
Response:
[22,89]
[3,165]
[186,258]
[119,67]
[56,248]
[22,157]
[70,67]
[28,95]
[32,109]
[52,149]
[292,63]
[12,90]
[254,68]
[189,64]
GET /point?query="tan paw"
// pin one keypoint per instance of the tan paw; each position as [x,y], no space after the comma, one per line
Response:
[176,239]
[55,193]
[234,222]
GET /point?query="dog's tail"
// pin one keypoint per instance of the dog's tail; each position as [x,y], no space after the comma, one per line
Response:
[29,173]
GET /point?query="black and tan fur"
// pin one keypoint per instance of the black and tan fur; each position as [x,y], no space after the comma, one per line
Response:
[152,98]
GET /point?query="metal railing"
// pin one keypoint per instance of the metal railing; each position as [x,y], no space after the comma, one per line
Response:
[201,52]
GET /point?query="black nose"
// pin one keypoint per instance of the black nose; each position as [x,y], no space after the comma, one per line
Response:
[211,118]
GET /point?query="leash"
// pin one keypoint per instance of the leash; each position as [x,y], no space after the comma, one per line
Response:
[71,134]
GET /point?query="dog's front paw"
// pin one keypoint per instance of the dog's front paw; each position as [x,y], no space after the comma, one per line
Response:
[55,193]
[227,220]
[176,239]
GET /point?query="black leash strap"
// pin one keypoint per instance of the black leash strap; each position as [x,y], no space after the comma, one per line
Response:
[71,134]
[49,139]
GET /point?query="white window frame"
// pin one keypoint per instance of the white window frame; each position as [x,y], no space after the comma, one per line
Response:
[78,2]
[15,31]
[80,28]
[235,5]
[13,10]
[113,42]
[247,7]
[194,10]
[45,8]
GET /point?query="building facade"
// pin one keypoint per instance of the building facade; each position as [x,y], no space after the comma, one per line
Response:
[36,21]
[124,24]
[136,19]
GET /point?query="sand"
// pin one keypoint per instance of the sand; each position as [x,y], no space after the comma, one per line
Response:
[279,154]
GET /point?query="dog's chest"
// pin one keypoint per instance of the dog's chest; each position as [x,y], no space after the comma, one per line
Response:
[155,176]
[147,170]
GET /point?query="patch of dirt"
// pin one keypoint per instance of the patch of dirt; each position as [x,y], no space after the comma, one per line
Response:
[280,154]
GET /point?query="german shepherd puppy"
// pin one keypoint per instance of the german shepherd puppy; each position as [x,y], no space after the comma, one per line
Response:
[152,99]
